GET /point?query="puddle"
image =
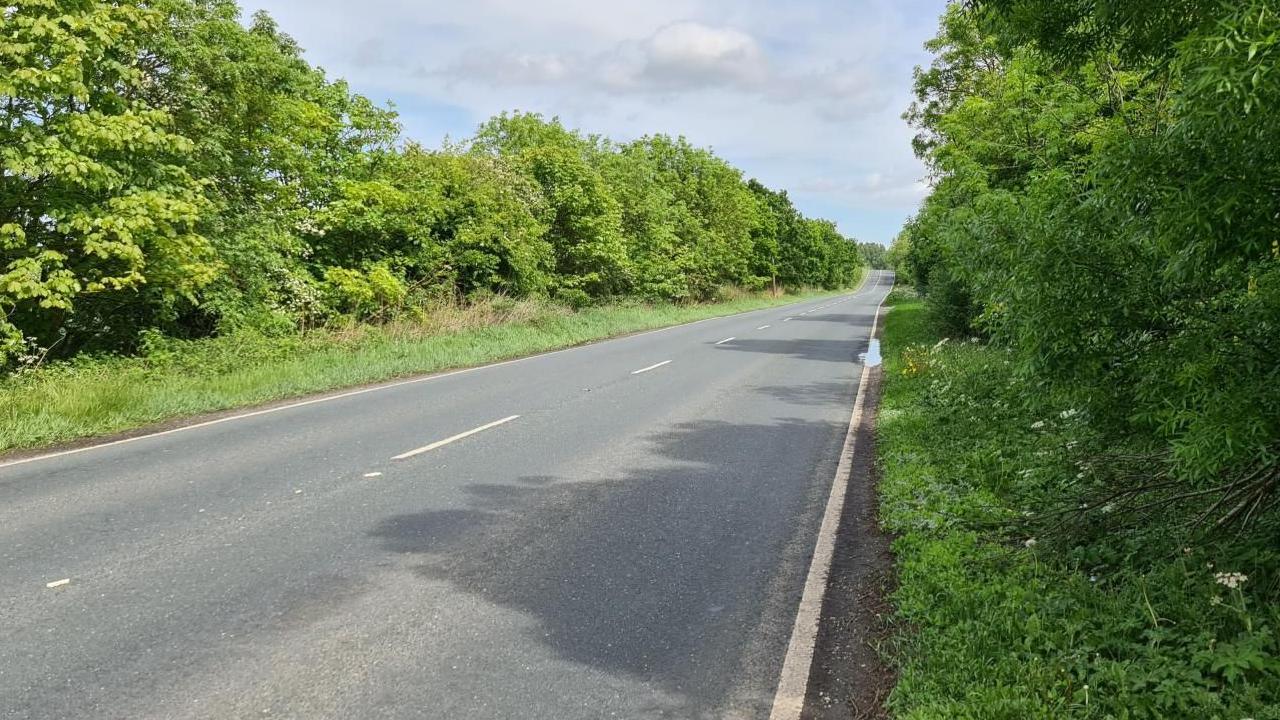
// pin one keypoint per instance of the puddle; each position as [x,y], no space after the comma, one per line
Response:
[871,358]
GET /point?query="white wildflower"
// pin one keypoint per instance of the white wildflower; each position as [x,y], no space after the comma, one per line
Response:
[1029,542]
[1068,414]
[1037,425]
[1232,580]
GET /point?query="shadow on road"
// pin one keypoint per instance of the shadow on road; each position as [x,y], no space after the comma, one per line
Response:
[657,572]
[845,318]
[818,394]
[837,351]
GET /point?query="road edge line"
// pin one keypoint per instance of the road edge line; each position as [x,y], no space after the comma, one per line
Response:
[793,680]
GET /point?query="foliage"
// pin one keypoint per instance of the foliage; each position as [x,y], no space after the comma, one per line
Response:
[1017,610]
[1105,181]
[95,204]
[1104,205]
[874,255]
[169,169]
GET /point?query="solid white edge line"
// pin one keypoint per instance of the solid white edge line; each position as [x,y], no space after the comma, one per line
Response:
[726,340]
[376,388]
[793,682]
[651,367]
[453,438]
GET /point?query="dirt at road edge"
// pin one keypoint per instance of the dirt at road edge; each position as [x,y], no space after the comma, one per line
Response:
[849,677]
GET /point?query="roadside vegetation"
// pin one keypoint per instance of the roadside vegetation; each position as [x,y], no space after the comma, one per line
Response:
[1017,597]
[1080,431]
[181,187]
[171,378]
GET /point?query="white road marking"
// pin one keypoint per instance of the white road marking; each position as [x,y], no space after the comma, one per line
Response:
[726,340]
[793,685]
[651,367]
[58,583]
[764,327]
[454,438]
[786,319]
[373,474]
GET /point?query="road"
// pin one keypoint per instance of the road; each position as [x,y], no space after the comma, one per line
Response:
[627,536]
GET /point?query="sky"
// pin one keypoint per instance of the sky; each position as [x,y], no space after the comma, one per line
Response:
[804,95]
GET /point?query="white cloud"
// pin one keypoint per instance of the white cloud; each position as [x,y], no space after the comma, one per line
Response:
[508,68]
[682,58]
[690,55]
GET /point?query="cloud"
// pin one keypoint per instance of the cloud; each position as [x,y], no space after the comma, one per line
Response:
[690,55]
[500,69]
[678,59]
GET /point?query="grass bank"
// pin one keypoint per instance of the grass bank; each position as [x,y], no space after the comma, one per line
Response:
[1008,612]
[96,395]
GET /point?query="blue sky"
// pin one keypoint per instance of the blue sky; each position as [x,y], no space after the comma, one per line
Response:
[803,94]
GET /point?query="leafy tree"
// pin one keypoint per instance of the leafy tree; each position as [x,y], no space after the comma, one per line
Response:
[462,221]
[170,170]
[276,139]
[96,204]
[650,216]
[584,220]
[1104,203]
[874,255]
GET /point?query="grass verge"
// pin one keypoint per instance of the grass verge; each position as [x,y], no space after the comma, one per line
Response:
[96,395]
[1085,622]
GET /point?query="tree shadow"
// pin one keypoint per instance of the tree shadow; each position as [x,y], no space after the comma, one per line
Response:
[817,394]
[842,318]
[657,572]
[838,351]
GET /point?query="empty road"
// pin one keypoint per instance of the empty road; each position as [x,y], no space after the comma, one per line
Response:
[617,530]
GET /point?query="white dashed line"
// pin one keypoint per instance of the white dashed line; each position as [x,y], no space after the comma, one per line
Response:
[459,436]
[764,327]
[726,340]
[651,367]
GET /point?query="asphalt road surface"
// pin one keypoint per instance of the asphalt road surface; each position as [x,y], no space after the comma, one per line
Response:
[631,542]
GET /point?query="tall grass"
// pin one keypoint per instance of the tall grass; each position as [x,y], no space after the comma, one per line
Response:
[172,379]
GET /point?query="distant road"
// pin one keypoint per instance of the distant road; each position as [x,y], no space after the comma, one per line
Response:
[618,530]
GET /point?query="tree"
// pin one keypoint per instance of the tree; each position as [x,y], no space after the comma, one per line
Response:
[1104,204]
[95,202]
[584,220]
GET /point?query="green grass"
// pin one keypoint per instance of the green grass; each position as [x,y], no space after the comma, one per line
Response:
[93,396]
[995,623]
